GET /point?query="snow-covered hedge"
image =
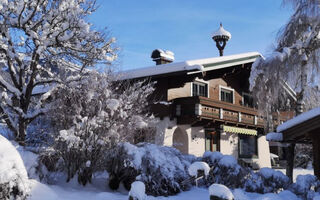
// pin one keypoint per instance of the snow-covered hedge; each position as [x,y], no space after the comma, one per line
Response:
[13,175]
[220,191]
[225,170]
[266,180]
[305,186]
[162,169]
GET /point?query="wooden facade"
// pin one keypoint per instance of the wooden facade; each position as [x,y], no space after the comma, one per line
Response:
[207,104]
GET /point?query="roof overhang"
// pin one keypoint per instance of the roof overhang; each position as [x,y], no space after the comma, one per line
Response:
[191,66]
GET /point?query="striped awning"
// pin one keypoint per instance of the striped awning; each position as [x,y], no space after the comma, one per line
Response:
[232,129]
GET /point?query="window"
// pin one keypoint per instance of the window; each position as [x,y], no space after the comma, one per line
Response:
[247,146]
[199,89]
[226,95]
[247,100]
[212,141]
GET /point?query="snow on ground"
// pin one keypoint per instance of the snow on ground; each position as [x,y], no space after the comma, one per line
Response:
[71,191]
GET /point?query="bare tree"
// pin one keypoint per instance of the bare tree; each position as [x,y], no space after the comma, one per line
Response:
[41,43]
[294,62]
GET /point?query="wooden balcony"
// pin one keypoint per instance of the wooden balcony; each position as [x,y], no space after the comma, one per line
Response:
[205,108]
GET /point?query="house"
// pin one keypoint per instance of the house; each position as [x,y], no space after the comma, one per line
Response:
[205,104]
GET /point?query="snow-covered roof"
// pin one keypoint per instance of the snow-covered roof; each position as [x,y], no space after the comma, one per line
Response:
[299,119]
[272,136]
[191,66]
[222,32]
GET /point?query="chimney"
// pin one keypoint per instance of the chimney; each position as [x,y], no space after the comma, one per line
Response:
[162,57]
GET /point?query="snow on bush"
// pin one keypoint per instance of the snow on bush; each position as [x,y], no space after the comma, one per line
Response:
[220,191]
[288,195]
[198,166]
[266,180]
[305,186]
[225,170]
[13,175]
[162,169]
[268,196]
[137,191]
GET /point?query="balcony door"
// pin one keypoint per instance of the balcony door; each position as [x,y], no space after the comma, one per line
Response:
[212,141]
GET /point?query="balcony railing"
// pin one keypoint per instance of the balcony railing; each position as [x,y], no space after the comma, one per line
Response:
[217,110]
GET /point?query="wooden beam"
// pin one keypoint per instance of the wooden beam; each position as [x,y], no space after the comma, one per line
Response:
[290,160]
[316,154]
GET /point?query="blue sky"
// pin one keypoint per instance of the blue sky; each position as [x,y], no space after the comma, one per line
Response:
[185,27]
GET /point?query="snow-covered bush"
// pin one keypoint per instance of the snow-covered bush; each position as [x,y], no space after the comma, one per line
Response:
[225,170]
[303,155]
[162,169]
[13,175]
[305,186]
[197,167]
[266,180]
[91,116]
[137,191]
[221,192]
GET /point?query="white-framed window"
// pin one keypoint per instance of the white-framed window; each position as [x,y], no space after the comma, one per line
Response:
[200,89]
[247,100]
[226,94]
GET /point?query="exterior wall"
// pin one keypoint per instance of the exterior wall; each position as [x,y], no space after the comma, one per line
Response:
[164,131]
[263,152]
[214,91]
[196,135]
[196,141]
[229,144]
[184,91]
[231,83]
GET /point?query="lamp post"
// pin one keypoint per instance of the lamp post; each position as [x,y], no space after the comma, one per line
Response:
[221,37]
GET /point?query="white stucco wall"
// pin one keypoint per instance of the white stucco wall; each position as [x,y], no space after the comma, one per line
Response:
[229,144]
[196,135]
[263,152]
[196,141]
[164,131]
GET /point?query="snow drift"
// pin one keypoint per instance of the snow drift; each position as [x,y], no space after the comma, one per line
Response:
[13,175]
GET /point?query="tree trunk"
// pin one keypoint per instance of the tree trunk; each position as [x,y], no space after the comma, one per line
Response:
[21,134]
